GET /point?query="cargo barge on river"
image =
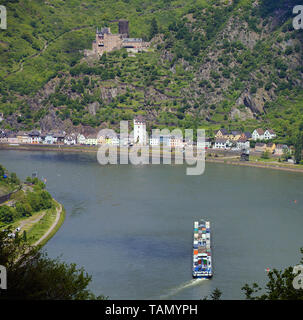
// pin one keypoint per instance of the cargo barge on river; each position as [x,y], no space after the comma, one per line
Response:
[202,258]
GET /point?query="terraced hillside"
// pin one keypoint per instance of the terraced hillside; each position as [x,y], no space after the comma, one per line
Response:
[212,64]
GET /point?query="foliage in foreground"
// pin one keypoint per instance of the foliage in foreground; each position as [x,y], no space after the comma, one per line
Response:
[279,286]
[32,275]
[215,295]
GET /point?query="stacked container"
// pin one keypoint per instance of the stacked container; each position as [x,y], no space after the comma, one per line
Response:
[202,266]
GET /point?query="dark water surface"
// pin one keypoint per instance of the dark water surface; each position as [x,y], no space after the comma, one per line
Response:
[131,227]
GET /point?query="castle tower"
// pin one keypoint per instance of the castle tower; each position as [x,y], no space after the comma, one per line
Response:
[124,28]
[140,131]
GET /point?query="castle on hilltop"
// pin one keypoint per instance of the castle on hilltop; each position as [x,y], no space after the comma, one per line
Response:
[107,41]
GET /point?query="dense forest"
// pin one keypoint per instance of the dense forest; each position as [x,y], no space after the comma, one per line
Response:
[211,64]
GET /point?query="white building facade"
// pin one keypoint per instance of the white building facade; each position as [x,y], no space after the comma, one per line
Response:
[49,139]
[70,140]
[91,140]
[154,141]
[176,142]
[258,134]
[243,144]
[140,131]
[221,144]
[81,139]
[204,145]
[269,134]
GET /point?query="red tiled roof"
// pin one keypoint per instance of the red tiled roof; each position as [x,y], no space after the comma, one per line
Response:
[260,131]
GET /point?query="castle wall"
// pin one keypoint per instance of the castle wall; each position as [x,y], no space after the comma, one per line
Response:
[107,42]
[112,41]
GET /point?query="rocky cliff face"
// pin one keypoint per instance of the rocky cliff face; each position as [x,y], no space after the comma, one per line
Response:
[50,122]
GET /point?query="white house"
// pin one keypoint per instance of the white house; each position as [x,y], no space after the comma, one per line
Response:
[91,140]
[165,140]
[115,141]
[140,131]
[176,142]
[49,139]
[243,144]
[221,144]
[59,136]
[81,139]
[70,140]
[154,140]
[3,136]
[258,134]
[111,138]
[23,137]
[12,138]
[269,134]
[280,149]
[35,137]
[205,145]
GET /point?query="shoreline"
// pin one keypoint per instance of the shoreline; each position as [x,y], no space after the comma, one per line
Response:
[219,160]
[55,226]
[30,223]
[253,164]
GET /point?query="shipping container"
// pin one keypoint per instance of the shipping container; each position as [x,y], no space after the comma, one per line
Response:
[202,250]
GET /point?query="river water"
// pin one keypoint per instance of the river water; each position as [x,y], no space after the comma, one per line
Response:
[131,227]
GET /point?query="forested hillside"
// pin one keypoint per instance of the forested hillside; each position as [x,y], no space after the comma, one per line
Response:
[234,64]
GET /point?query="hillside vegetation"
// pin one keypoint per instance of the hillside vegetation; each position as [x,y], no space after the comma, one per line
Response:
[212,64]
[28,200]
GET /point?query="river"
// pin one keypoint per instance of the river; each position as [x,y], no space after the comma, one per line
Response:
[131,227]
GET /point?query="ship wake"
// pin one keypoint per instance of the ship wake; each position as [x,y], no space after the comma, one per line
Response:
[189,284]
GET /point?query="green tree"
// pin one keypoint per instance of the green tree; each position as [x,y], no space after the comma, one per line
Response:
[24,209]
[279,287]
[265,155]
[153,28]
[298,147]
[252,143]
[7,214]
[14,178]
[33,275]
[215,295]
[286,154]
[2,170]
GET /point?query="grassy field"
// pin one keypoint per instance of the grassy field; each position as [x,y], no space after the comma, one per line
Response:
[259,158]
[45,229]
[38,229]
[39,223]
[5,188]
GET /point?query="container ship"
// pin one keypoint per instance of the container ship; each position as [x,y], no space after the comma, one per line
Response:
[202,263]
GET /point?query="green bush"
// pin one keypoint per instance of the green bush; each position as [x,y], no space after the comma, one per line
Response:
[265,155]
